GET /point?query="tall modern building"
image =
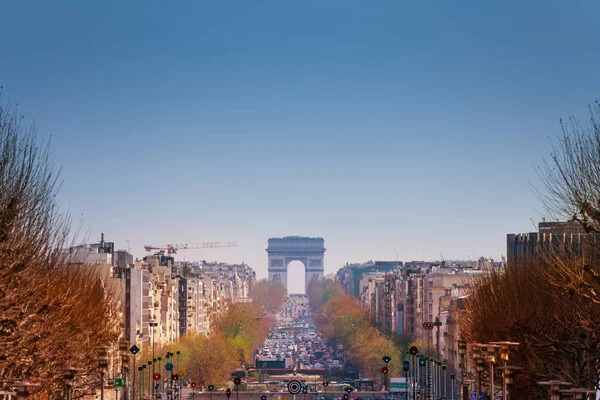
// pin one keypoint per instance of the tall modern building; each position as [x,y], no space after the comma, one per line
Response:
[561,239]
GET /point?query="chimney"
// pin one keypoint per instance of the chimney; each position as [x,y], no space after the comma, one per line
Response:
[102,240]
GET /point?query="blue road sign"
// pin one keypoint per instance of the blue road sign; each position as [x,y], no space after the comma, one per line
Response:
[473,396]
[169,366]
[134,349]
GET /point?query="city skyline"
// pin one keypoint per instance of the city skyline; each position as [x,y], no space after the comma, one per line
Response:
[387,130]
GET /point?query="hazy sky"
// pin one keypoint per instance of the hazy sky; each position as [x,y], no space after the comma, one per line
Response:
[386,127]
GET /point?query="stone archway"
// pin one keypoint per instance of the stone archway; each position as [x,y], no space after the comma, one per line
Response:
[282,251]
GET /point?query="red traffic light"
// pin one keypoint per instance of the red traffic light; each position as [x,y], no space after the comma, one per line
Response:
[385,370]
[156,376]
[193,384]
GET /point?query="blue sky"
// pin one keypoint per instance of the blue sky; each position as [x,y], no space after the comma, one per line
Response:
[388,128]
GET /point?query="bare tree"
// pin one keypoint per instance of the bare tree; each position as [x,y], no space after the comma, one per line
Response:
[52,313]
[537,304]
[572,177]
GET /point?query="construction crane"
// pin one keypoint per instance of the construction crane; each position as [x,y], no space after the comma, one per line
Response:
[173,248]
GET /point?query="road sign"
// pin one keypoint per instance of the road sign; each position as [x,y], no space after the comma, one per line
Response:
[182,374]
[169,366]
[345,397]
[304,390]
[422,362]
[237,380]
[348,389]
[211,387]
[294,387]
[413,350]
[228,392]
[325,383]
[405,366]
[193,384]
[175,377]
[263,397]
[428,325]
[156,376]
[399,384]
[119,382]
[473,396]
[386,359]
[134,349]
[385,370]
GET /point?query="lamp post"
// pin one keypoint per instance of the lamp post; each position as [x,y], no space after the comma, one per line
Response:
[491,352]
[462,352]
[153,324]
[504,348]
[68,376]
[141,370]
[124,347]
[179,374]
[159,371]
[445,391]
[554,388]
[150,377]
[479,367]
[577,393]
[23,389]
[102,360]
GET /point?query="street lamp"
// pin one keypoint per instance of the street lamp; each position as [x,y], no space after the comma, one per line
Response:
[462,352]
[159,371]
[179,374]
[153,324]
[141,369]
[577,393]
[150,377]
[554,388]
[504,349]
[102,360]
[445,391]
[124,348]
[68,375]
[23,389]
[491,359]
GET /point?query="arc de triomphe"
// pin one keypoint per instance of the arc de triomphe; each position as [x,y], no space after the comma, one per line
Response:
[282,251]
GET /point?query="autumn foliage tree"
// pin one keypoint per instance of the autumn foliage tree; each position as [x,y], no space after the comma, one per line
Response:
[237,333]
[270,295]
[343,322]
[52,313]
